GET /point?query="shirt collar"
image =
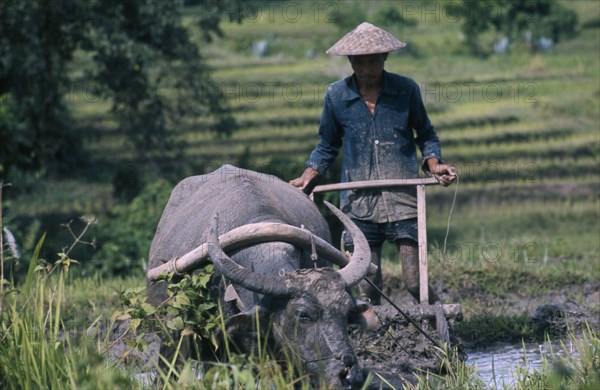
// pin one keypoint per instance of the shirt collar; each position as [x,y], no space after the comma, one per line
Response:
[351,90]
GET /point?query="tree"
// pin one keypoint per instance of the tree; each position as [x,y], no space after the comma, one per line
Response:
[518,20]
[34,51]
[138,49]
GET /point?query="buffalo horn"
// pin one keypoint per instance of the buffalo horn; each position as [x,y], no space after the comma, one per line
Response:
[239,275]
[252,234]
[359,264]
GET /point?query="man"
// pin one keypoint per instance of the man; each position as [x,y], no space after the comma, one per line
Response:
[379,119]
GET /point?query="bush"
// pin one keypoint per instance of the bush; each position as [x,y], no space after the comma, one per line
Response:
[127,182]
[348,17]
[390,17]
[518,21]
[124,238]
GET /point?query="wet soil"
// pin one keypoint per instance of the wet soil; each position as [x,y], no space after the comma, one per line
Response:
[401,345]
[396,349]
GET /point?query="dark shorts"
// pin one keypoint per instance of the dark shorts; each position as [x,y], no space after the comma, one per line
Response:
[377,233]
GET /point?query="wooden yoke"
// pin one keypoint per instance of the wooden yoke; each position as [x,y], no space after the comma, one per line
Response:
[421,216]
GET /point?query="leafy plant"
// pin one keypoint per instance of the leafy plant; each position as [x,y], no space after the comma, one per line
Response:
[187,311]
[190,305]
[485,329]
[349,16]
[389,17]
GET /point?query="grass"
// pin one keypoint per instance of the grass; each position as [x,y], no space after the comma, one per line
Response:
[49,339]
[37,348]
[459,375]
[575,365]
[94,297]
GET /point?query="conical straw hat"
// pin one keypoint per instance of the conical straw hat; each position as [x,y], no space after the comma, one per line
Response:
[365,39]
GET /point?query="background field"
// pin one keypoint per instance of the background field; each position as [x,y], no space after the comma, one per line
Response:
[523,130]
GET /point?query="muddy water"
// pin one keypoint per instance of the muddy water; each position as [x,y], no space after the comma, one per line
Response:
[501,366]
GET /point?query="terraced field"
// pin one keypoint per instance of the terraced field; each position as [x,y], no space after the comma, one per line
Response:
[523,129]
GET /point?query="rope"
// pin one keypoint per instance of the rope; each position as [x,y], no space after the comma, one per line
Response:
[313,247]
[172,266]
[444,248]
[406,316]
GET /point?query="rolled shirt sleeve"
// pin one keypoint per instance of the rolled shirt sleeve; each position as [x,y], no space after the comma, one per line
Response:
[330,135]
[426,137]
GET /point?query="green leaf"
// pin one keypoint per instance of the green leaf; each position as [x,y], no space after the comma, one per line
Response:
[206,306]
[134,323]
[148,309]
[214,341]
[175,323]
[181,300]
[121,316]
[186,376]
[203,280]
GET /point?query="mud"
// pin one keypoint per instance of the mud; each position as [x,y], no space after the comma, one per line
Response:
[515,303]
[398,348]
[395,349]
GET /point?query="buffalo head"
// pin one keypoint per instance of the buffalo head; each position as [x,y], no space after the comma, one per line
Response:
[306,310]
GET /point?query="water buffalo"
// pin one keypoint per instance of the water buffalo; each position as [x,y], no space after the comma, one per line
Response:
[280,284]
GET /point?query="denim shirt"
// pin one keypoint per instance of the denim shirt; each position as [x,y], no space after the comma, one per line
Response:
[376,146]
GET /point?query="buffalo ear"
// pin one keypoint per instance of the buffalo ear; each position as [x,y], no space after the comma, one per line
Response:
[247,329]
[364,315]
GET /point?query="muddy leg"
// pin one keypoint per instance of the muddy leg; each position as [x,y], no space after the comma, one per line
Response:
[364,287]
[409,258]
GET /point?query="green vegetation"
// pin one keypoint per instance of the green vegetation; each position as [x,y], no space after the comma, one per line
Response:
[38,349]
[486,329]
[522,21]
[574,366]
[577,368]
[43,346]
[522,128]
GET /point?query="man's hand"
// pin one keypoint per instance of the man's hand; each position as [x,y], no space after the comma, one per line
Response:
[307,177]
[445,174]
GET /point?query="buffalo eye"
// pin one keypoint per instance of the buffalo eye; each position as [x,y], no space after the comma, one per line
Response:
[304,311]
[303,316]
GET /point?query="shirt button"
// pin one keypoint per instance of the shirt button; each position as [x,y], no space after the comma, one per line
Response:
[376,142]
